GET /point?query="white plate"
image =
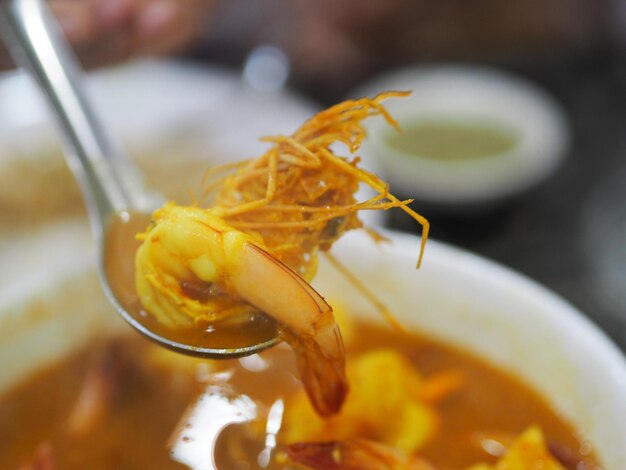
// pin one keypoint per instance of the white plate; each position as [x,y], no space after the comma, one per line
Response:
[149,101]
[175,119]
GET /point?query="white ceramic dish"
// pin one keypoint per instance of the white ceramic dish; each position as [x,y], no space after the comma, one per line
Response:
[147,102]
[175,119]
[458,297]
[469,95]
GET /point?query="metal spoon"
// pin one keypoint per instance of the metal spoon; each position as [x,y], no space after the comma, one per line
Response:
[118,204]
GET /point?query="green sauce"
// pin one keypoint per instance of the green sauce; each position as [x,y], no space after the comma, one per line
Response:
[452,141]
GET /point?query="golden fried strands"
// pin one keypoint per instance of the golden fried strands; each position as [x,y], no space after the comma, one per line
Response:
[299,196]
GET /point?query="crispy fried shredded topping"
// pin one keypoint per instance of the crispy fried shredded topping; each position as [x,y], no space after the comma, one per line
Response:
[300,196]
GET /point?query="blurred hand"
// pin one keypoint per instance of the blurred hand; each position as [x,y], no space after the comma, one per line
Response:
[335,44]
[108,31]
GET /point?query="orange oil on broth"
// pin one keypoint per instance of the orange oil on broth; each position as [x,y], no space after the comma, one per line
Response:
[153,406]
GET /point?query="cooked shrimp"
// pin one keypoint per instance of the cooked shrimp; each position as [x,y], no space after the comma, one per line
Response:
[355,454]
[257,245]
[193,266]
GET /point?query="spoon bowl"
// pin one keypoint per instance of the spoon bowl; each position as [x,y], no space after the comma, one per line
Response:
[118,204]
[236,337]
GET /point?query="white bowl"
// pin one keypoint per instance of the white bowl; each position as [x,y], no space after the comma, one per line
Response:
[175,119]
[477,96]
[460,298]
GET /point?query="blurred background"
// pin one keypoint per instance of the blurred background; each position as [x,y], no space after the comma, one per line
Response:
[242,68]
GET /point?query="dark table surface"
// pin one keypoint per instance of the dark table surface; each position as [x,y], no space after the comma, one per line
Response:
[569,234]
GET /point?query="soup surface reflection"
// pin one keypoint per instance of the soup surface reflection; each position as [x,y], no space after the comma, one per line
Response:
[125,403]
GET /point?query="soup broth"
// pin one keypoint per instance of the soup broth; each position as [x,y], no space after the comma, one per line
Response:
[451,141]
[128,404]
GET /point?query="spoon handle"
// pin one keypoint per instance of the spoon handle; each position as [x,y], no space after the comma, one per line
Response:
[107,178]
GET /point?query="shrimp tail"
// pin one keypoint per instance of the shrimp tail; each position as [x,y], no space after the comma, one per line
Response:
[308,323]
[322,367]
[354,454]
